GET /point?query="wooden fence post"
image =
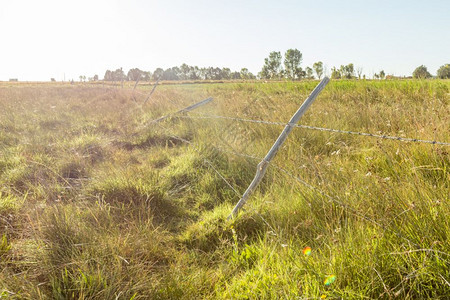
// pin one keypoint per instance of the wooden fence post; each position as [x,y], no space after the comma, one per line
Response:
[149,95]
[262,166]
[186,109]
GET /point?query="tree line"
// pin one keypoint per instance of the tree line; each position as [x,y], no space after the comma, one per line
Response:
[183,72]
[276,67]
[422,72]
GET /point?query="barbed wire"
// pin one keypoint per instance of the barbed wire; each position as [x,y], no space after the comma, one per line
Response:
[388,137]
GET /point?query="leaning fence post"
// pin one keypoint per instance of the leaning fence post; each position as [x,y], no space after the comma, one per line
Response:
[135,85]
[186,109]
[153,90]
[262,166]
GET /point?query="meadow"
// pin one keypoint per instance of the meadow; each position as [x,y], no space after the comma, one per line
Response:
[98,202]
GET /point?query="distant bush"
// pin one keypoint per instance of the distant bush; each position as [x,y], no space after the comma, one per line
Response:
[421,72]
[444,71]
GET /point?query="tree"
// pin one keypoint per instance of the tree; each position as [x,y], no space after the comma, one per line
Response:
[235,75]
[250,75]
[244,73]
[318,68]
[184,71]
[108,76]
[135,74]
[95,77]
[216,73]
[203,73]
[147,75]
[194,73]
[226,73]
[117,75]
[309,73]
[171,74]
[335,73]
[382,74]
[158,74]
[421,72]
[272,66]
[292,61]
[212,73]
[359,71]
[347,71]
[444,71]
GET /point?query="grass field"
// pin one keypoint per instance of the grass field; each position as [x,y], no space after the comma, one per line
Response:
[97,202]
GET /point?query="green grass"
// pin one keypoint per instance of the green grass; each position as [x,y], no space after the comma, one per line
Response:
[95,204]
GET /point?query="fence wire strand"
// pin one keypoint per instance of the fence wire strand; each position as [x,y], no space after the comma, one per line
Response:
[387,137]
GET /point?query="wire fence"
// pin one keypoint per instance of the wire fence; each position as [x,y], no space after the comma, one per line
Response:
[227,140]
[297,179]
[228,132]
[396,138]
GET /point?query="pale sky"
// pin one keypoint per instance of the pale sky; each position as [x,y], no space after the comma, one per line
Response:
[52,38]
